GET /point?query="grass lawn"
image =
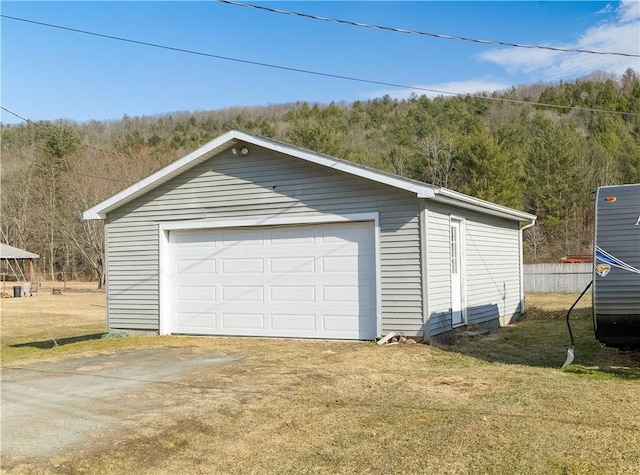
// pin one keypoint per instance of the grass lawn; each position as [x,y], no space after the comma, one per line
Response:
[495,403]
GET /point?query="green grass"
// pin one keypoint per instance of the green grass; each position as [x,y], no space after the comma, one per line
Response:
[543,343]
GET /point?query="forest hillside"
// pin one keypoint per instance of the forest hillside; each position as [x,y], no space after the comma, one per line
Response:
[502,148]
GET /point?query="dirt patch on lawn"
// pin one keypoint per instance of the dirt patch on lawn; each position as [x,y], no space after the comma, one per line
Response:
[85,403]
[63,416]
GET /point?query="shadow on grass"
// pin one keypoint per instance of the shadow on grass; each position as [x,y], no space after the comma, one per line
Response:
[543,342]
[48,344]
[629,374]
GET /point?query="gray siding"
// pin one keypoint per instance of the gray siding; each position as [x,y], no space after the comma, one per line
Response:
[616,233]
[438,268]
[261,184]
[492,267]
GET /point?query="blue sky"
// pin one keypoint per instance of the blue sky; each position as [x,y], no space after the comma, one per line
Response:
[50,74]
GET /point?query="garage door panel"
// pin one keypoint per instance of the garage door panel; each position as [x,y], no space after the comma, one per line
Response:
[341,293]
[195,267]
[242,265]
[342,323]
[189,293]
[240,294]
[292,294]
[292,265]
[242,238]
[299,281]
[243,321]
[345,294]
[192,320]
[340,264]
[294,322]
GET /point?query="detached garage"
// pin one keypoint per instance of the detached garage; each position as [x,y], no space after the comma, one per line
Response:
[250,236]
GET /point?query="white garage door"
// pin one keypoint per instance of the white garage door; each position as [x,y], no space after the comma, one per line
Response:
[312,281]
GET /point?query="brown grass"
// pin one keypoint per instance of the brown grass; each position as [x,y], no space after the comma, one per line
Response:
[557,303]
[78,313]
[495,404]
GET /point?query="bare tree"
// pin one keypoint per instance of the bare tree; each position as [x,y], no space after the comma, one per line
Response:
[438,159]
[16,204]
[536,238]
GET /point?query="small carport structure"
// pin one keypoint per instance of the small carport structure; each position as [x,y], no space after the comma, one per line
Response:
[13,260]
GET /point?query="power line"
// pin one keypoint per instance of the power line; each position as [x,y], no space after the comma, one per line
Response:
[310,72]
[425,33]
[14,114]
[28,121]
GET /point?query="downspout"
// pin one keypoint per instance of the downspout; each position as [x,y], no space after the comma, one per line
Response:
[521,236]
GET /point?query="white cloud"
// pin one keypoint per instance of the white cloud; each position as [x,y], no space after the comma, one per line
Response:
[443,89]
[621,34]
[629,10]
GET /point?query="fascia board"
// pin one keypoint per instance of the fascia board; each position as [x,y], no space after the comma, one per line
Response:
[444,195]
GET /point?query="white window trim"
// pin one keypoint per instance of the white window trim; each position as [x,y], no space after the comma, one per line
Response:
[164,228]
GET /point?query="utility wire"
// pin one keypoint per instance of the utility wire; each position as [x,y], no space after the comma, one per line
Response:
[307,71]
[28,121]
[16,115]
[424,33]
[41,126]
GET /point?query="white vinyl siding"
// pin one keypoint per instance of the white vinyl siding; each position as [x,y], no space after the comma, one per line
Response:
[261,184]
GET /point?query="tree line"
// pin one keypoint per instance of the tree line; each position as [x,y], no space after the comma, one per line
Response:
[546,161]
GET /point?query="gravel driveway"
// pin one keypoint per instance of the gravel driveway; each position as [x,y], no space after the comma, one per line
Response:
[52,406]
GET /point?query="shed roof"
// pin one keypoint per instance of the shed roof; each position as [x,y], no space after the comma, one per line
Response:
[10,252]
[237,138]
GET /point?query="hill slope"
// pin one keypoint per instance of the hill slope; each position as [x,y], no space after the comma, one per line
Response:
[542,160]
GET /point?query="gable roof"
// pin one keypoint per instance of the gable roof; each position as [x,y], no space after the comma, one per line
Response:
[235,138]
[10,252]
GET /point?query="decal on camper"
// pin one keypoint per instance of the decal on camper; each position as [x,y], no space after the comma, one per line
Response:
[604,256]
[603,269]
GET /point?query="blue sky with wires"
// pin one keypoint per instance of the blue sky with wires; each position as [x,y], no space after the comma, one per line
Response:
[52,73]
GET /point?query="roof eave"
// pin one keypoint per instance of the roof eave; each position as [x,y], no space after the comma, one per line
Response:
[451,197]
